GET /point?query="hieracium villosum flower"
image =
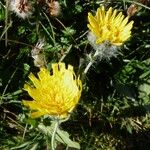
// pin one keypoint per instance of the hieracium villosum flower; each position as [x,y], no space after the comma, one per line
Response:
[108,31]
[109,26]
[53,94]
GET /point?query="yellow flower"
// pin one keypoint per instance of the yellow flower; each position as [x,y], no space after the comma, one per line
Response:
[108,26]
[56,94]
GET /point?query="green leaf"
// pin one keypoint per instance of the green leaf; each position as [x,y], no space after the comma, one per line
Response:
[31,121]
[65,137]
[21,146]
[35,146]
[61,136]
[128,90]
[26,68]
[129,129]
[145,87]
[2,13]
[21,30]
[145,74]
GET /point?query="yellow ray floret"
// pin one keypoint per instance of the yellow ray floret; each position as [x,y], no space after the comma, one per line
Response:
[108,26]
[55,95]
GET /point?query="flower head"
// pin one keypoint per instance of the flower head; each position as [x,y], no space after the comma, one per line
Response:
[54,8]
[106,50]
[55,95]
[22,8]
[109,26]
[38,55]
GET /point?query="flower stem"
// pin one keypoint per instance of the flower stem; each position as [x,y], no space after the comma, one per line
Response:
[53,135]
[88,66]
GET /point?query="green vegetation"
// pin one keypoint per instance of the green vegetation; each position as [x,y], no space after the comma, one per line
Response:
[114,110]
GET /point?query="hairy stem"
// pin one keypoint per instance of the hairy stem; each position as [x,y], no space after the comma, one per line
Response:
[88,66]
[53,135]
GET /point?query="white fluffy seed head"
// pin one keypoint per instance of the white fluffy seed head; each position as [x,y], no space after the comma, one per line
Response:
[22,8]
[38,55]
[105,50]
[54,8]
